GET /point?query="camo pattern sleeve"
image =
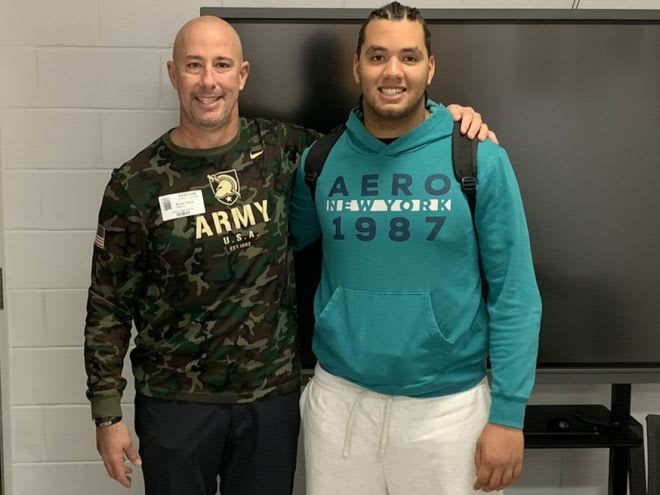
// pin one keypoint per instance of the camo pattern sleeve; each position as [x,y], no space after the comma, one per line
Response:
[116,278]
[193,247]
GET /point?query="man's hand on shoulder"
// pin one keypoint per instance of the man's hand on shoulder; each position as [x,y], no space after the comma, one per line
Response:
[115,445]
[471,123]
[498,457]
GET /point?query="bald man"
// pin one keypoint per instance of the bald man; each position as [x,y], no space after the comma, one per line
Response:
[192,248]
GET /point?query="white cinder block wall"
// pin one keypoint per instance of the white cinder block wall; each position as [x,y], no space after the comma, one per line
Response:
[82,88]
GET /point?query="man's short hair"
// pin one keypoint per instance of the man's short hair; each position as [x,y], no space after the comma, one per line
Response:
[394,11]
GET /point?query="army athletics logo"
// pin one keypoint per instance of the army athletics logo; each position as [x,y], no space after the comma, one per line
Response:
[226,187]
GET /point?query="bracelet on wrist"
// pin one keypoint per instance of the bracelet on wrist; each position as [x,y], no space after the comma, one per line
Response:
[107,421]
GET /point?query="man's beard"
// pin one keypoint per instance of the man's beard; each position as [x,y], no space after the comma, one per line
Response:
[395,114]
[210,124]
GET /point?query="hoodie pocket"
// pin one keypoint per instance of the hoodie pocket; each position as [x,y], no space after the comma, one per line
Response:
[376,338]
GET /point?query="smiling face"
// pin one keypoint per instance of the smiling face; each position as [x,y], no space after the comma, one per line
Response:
[393,70]
[208,73]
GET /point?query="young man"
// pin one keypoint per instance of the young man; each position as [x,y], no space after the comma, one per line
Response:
[399,403]
[192,247]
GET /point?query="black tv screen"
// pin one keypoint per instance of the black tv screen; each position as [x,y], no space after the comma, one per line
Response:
[574,97]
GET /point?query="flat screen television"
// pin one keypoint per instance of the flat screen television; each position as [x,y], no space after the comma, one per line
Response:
[574,97]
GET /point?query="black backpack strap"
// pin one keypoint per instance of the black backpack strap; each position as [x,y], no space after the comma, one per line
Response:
[464,156]
[317,156]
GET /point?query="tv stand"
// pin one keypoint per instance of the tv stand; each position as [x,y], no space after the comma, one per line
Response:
[595,426]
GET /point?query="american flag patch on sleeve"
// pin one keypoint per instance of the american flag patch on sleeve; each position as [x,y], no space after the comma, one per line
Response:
[99,241]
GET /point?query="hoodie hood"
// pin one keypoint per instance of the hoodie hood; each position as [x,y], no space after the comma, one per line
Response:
[438,125]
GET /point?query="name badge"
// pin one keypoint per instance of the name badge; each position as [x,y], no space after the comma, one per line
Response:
[183,204]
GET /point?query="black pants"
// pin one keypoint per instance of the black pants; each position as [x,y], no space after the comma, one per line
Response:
[185,446]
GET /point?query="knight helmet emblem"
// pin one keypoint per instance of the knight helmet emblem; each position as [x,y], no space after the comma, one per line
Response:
[226,187]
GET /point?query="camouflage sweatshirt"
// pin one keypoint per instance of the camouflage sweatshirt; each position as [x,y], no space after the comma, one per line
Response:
[192,248]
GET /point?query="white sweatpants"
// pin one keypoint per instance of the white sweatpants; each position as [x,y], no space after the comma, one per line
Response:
[359,442]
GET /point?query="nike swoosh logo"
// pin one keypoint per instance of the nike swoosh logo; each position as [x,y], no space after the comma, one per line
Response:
[254,154]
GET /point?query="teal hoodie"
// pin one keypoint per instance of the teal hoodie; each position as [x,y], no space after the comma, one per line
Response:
[399,308]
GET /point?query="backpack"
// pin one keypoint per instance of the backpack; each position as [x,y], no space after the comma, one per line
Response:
[464,157]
